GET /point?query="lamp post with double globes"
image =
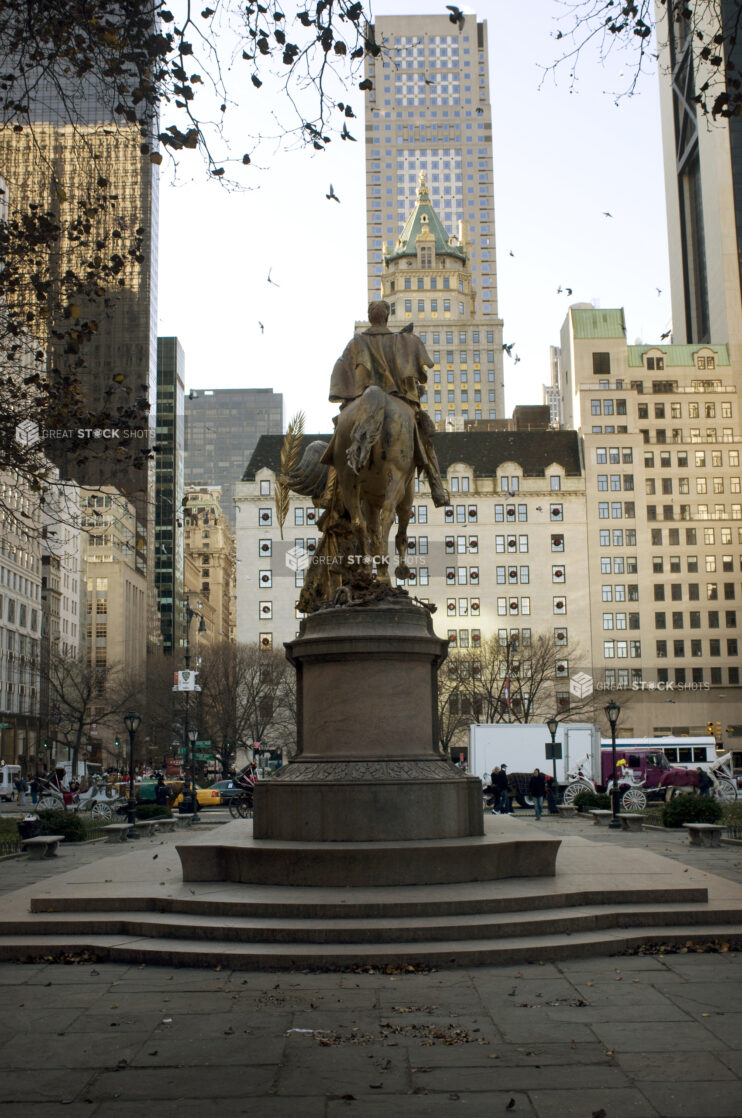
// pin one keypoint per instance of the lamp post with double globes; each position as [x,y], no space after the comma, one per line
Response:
[612,712]
[132,721]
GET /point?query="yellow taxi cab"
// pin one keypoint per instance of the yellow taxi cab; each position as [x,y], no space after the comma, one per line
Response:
[206,797]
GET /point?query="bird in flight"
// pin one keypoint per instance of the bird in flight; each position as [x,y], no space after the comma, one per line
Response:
[480,110]
[332,193]
[517,359]
[511,253]
[607,214]
[262,328]
[272,280]
[568,291]
[508,348]
[456,16]
[559,289]
[659,292]
[666,334]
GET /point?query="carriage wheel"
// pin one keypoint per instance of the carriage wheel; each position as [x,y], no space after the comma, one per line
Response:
[234,809]
[634,799]
[244,806]
[101,810]
[574,789]
[725,789]
[49,802]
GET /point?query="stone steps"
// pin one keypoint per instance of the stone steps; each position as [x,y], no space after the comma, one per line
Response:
[368,933]
[262,956]
[258,927]
[468,898]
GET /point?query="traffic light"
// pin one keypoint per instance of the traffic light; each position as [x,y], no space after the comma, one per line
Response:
[116,741]
[717,729]
[709,728]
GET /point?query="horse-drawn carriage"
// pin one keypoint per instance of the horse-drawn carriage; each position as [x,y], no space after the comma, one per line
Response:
[645,775]
[97,799]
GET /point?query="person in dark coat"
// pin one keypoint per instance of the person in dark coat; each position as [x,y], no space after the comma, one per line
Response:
[501,783]
[537,791]
[161,796]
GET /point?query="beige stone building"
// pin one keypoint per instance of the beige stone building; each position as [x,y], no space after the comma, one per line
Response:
[507,557]
[661,433]
[427,281]
[210,544]
[116,600]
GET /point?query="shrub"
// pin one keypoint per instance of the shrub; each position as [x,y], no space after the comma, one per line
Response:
[690,809]
[153,811]
[57,821]
[586,800]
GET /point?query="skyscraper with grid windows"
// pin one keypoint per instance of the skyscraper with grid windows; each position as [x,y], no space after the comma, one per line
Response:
[429,110]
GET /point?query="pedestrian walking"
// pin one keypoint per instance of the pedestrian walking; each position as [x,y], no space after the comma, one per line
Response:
[501,783]
[35,790]
[537,791]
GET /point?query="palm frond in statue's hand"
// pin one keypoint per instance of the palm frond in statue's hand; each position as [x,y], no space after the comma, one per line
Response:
[290,454]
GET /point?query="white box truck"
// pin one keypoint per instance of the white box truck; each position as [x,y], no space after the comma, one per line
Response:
[523,748]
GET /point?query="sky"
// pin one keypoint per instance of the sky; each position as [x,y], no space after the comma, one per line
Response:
[565,154]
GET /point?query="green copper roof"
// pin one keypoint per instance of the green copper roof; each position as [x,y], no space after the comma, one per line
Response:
[593,322]
[424,219]
[676,355]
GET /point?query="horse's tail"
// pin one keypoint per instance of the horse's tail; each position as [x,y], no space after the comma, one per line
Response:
[367,428]
[309,479]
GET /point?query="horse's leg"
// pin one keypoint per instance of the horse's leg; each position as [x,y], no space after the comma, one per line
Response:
[400,541]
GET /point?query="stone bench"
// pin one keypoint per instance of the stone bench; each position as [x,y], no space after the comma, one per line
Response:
[148,826]
[601,816]
[116,832]
[704,834]
[566,809]
[42,846]
[166,824]
[185,819]
[631,821]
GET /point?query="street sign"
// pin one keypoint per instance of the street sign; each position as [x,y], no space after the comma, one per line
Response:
[553,751]
[199,756]
[202,744]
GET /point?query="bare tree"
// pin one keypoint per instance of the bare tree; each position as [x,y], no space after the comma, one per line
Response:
[705,34]
[515,682]
[81,694]
[457,706]
[246,697]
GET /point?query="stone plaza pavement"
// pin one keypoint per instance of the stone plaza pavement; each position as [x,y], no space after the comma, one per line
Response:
[622,1037]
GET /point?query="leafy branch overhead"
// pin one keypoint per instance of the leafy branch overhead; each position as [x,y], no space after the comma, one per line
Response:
[176,64]
[705,56]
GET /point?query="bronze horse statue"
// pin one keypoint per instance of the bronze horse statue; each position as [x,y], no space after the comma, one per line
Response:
[374,461]
[362,480]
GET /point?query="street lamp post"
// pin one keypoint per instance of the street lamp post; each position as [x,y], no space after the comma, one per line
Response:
[551,726]
[188,803]
[132,721]
[612,712]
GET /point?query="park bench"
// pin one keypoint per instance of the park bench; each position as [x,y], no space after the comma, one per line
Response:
[601,816]
[186,819]
[148,826]
[566,809]
[166,824]
[704,834]
[631,821]
[116,832]
[42,846]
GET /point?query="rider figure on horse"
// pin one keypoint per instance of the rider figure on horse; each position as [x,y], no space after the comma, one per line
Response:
[396,363]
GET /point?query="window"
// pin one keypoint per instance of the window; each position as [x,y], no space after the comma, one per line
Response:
[265,489]
[265,517]
[601,364]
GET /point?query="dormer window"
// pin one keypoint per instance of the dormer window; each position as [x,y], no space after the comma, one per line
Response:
[426,256]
